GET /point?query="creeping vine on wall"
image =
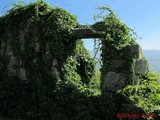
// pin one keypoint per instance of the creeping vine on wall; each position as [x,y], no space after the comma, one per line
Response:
[46,74]
[41,63]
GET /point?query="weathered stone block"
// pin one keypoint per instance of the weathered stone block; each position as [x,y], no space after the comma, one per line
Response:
[11,71]
[114,81]
[55,71]
[54,63]
[141,67]
[12,61]
[9,52]
[134,51]
[86,33]
[115,64]
[37,47]
[47,47]
[22,74]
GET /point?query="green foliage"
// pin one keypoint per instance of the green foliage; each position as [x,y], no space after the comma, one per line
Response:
[36,35]
[95,83]
[40,38]
[113,30]
[146,94]
[116,36]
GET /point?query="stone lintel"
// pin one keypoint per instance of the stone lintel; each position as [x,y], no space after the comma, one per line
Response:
[82,33]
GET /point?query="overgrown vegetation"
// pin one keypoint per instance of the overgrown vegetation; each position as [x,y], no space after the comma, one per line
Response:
[146,94]
[37,40]
[115,37]
[113,30]
[61,82]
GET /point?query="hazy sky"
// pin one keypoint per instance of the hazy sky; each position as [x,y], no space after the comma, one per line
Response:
[141,15]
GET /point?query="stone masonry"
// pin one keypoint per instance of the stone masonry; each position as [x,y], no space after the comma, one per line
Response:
[121,70]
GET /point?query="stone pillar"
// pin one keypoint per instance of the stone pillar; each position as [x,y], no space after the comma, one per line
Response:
[121,67]
[138,65]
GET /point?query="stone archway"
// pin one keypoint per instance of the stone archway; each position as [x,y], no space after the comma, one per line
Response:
[121,61]
[119,69]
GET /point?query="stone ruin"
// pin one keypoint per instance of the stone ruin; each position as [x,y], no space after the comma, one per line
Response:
[123,67]
[120,71]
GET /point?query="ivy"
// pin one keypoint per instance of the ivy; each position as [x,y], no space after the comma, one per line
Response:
[113,30]
[60,81]
[146,94]
[39,39]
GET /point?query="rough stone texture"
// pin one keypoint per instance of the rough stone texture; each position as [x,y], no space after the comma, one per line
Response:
[47,47]
[22,74]
[11,71]
[9,51]
[82,33]
[37,48]
[55,71]
[134,51]
[115,64]
[114,81]
[141,67]
[11,65]
[119,73]
[54,63]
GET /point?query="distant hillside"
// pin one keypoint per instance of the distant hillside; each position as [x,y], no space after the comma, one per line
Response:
[152,54]
[153,57]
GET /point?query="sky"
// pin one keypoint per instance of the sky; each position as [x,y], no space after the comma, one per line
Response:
[141,15]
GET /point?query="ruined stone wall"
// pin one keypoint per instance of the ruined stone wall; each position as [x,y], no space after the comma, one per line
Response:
[41,64]
[121,68]
[45,69]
